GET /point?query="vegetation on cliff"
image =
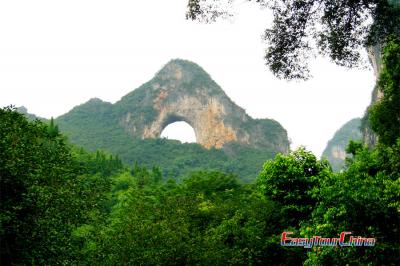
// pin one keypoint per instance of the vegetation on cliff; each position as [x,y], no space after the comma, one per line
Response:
[46,191]
[384,115]
[335,151]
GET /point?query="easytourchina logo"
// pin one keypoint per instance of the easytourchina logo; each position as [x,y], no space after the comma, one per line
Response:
[345,239]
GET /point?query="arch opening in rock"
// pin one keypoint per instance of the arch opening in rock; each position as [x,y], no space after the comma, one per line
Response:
[179,130]
[183,91]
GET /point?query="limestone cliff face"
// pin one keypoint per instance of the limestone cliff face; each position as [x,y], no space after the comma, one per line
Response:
[183,91]
[375,59]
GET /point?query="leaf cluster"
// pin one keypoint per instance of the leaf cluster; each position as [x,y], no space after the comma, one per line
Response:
[338,29]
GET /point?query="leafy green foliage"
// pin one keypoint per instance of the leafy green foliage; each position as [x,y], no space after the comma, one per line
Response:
[177,160]
[52,129]
[365,200]
[384,115]
[290,181]
[208,219]
[96,163]
[63,205]
[34,173]
[337,28]
[44,194]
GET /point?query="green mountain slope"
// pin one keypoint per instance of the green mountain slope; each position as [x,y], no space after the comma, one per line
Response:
[93,125]
[335,151]
[23,110]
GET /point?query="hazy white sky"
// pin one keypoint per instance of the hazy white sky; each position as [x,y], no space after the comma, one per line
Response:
[55,55]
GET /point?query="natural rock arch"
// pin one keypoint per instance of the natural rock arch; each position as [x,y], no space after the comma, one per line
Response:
[204,115]
[183,91]
[179,130]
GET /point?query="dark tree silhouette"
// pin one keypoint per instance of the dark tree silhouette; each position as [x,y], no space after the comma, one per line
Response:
[338,29]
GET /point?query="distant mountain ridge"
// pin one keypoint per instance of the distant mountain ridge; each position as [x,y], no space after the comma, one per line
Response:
[23,110]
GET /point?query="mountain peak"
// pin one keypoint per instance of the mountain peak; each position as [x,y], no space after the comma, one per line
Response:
[95,100]
[182,64]
[22,110]
[182,70]
[183,91]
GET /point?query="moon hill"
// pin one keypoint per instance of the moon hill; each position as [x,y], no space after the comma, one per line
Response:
[227,138]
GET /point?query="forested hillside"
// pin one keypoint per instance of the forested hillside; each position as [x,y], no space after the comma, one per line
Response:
[335,151]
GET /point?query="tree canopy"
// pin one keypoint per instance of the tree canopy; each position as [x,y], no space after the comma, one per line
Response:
[46,190]
[338,29]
